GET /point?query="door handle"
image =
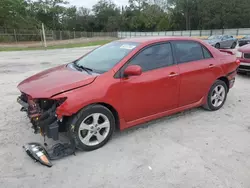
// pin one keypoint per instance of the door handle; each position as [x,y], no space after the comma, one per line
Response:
[211,65]
[173,74]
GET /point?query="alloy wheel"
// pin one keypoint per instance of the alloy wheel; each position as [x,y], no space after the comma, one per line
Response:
[94,129]
[218,95]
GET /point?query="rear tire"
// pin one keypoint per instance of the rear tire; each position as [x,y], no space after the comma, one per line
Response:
[92,127]
[217,46]
[217,96]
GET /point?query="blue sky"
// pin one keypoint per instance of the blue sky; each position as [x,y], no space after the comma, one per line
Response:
[90,3]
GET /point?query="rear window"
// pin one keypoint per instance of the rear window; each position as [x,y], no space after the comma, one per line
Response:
[206,53]
[187,51]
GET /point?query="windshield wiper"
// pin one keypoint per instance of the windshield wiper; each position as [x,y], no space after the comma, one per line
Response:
[88,70]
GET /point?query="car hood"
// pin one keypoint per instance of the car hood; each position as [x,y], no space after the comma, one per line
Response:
[53,81]
[245,48]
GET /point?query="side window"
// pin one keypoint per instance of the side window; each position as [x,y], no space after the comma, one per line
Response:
[206,53]
[187,51]
[154,57]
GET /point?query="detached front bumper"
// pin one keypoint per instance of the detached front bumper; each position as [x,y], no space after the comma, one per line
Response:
[44,122]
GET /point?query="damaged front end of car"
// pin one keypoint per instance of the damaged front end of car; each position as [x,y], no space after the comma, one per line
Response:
[44,120]
[42,114]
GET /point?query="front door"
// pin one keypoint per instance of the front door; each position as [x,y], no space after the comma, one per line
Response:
[156,89]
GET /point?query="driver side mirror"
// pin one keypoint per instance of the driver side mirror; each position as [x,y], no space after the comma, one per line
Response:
[133,70]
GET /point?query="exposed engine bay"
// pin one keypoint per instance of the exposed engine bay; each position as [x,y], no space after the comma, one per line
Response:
[42,115]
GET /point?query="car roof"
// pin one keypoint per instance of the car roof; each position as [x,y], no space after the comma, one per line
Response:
[157,39]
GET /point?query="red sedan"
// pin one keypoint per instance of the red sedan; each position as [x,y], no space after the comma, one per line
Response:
[125,83]
[244,57]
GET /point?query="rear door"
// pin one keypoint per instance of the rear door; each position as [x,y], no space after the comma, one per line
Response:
[224,42]
[227,41]
[197,66]
[231,41]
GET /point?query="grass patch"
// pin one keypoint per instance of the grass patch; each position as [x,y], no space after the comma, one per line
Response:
[93,43]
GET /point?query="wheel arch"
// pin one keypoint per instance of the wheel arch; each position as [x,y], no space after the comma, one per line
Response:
[114,112]
[112,109]
[224,79]
[217,43]
[221,79]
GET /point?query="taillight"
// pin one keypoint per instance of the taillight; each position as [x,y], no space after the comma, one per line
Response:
[238,62]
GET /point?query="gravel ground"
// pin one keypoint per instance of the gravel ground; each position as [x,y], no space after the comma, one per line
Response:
[193,149]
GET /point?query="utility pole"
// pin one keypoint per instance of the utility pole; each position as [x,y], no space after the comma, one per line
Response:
[44,37]
[187,15]
[15,35]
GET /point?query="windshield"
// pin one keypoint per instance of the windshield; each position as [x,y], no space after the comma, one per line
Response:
[215,37]
[107,56]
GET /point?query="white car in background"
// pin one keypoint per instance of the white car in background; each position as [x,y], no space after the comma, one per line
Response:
[222,41]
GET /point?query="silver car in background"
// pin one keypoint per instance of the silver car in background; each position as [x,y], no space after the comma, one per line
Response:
[222,41]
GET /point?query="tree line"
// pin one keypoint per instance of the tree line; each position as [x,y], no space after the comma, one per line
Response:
[137,15]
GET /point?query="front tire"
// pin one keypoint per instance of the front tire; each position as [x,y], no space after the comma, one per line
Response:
[233,45]
[217,96]
[92,127]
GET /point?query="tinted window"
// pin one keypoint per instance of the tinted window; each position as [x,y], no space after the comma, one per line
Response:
[206,53]
[154,57]
[225,37]
[215,37]
[187,51]
[107,56]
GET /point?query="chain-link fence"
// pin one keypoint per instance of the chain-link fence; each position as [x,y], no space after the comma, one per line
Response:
[13,35]
[24,35]
[193,33]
